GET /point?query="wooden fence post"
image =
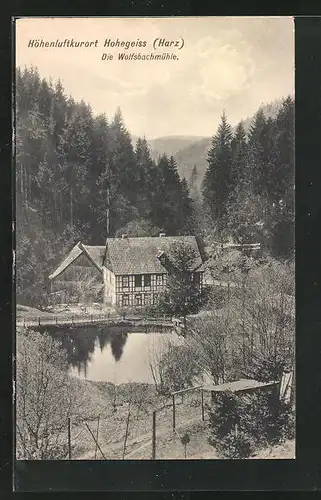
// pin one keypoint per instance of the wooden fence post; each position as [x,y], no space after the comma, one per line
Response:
[154,436]
[126,434]
[39,320]
[69,439]
[97,436]
[202,402]
[99,448]
[56,320]
[174,420]
[292,388]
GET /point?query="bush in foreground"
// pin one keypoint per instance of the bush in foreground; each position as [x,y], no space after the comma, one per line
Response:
[241,425]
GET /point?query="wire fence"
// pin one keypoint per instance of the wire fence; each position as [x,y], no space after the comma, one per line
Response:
[161,427]
[165,432]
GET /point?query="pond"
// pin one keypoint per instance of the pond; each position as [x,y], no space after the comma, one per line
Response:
[113,354]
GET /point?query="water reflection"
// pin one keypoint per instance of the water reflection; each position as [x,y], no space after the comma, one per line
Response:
[117,343]
[114,354]
[80,344]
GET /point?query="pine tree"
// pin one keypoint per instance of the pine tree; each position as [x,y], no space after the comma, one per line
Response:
[240,174]
[193,183]
[123,157]
[217,179]
[284,153]
[259,152]
[187,209]
[166,196]
[182,295]
[282,182]
[100,179]
[174,217]
[124,188]
[77,147]
[146,177]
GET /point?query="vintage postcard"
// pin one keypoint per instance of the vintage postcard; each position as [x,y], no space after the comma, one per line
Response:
[154,276]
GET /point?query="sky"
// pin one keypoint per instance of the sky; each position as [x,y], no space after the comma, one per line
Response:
[226,63]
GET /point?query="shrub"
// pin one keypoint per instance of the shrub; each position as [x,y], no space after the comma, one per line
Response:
[269,419]
[262,419]
[240,445]
[225,414]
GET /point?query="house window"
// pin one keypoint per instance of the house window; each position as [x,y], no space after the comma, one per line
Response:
[138,299]
[147,280]
[159,279]
[125,282]
[125,300]
[138,280]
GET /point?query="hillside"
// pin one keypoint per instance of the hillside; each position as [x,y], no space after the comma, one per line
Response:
[194,154]
[171,145]
[192,150]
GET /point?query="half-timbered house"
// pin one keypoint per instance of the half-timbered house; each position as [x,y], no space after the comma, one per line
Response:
[130,271]
[136,269]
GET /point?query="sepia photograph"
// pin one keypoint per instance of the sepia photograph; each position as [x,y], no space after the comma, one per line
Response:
[154,273]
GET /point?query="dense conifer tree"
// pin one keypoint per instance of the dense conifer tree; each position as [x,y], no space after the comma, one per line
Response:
[217,180]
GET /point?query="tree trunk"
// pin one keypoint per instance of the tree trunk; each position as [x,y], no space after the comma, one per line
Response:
[71,208]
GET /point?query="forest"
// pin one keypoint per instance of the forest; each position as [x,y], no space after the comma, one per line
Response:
[80,177]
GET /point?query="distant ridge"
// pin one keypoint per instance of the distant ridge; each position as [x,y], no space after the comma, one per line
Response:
[190,150]
[196,153]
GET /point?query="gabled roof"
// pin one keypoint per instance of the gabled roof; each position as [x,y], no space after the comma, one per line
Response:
[140,255]
[94,253]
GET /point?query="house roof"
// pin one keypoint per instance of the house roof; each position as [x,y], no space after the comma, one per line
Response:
[238,386]
[139,255]
[94,253]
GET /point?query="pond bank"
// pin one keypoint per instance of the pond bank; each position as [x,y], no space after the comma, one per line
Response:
[99,320]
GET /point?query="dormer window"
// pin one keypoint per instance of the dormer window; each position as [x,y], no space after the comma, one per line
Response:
[163,259]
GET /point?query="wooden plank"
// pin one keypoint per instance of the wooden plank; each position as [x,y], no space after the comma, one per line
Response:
[239,386]
[186,390]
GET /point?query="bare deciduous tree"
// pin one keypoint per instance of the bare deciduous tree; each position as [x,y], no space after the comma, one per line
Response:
[173,367]
[45,397]
[253,334]
[87,286]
